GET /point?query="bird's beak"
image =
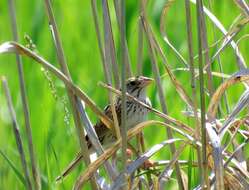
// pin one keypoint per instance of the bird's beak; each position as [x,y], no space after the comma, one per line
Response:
[147,81]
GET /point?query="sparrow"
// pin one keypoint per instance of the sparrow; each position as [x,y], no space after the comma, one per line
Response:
[136,113]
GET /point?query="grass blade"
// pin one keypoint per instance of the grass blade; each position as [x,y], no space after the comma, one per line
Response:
[17,134]
[139,161]
[200,17]
[14,168]
[35,172]
[156,73]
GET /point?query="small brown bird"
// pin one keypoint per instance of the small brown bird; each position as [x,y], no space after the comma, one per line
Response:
[136,113]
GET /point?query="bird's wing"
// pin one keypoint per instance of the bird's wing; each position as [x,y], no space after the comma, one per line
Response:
[100,127]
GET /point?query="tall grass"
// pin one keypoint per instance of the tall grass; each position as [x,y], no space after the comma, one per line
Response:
[215,129]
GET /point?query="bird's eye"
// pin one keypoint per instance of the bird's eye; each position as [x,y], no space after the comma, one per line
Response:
[133,83]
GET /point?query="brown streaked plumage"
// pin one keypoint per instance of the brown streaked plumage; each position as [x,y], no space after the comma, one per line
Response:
[136,113]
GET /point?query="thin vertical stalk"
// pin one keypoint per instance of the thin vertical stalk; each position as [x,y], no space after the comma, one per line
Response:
[128,61]
[161,93]
[110,59]
[123,86]
[140,42]
[107,71]
[193,81]
[97,28]
[110,52]
[34,167]
[205,184]
[164,109]
[140,48]
[139,71]
[206,52]
[73,98]
[17,134]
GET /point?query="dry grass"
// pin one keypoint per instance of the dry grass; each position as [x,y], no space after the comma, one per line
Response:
[221,163]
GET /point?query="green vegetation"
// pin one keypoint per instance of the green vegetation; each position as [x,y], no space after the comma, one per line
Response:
[54,134]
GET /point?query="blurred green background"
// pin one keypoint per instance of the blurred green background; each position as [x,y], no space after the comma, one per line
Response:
[54,139]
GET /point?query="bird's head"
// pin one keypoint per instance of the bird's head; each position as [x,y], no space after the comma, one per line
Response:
[136,86]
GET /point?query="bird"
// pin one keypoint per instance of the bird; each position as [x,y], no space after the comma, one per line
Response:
[136,113]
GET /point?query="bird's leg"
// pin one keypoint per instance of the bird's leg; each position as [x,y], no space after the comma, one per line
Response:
[148,164]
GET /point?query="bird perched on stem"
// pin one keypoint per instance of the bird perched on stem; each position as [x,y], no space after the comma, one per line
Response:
[136,113]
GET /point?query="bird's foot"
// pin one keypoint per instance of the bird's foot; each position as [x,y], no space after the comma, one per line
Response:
[148,164]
